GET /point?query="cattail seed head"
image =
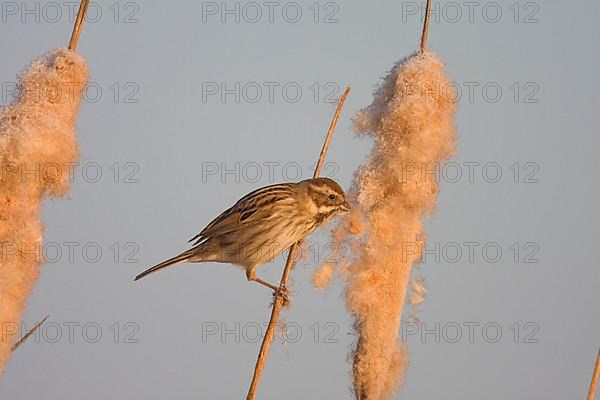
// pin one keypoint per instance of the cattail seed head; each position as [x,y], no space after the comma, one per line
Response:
[38,147]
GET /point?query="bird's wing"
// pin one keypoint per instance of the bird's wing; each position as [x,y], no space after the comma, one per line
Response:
[251,207]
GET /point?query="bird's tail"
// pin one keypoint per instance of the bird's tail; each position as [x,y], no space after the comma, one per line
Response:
[183,257]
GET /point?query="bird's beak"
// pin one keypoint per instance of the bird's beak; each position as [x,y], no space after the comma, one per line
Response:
[344,207]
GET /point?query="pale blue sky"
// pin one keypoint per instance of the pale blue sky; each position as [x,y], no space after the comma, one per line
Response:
[168,134]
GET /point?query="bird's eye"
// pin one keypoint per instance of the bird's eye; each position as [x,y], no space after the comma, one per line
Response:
[332,197]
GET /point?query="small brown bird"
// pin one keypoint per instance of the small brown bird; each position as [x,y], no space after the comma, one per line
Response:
[263,224]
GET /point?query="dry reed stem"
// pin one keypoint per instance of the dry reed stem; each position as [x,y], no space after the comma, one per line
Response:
[425,27]
[38,146]
[412,125]
[280,294]
[595,376]
[83,7]
[29,333]
[37,133]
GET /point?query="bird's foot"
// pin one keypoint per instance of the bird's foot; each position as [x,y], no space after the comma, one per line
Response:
[278,292]
[264,283]
[283,293]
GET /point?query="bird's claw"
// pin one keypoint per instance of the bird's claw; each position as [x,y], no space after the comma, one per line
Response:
[283,293]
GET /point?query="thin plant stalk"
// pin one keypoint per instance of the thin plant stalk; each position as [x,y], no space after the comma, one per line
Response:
[29,333]
[280,294]
[425,27]
[78,26]
[595,376]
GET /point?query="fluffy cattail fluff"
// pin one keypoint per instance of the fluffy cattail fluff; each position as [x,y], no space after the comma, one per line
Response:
[323,276]
[411,121]
[417,292]
[38,147]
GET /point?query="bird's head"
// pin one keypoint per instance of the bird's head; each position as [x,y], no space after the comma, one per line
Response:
[327,197]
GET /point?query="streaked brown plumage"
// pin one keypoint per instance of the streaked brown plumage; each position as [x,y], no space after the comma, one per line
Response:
[263,224]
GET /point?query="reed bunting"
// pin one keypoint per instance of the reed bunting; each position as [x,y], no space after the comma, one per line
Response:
[262,224]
